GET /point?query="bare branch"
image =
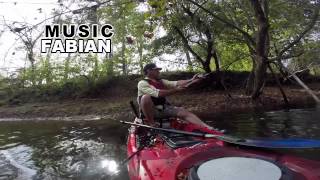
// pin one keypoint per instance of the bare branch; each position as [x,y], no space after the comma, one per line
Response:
[185,41]
[227,22]
[300,82]
[286,57]
[309,66]
[199,24]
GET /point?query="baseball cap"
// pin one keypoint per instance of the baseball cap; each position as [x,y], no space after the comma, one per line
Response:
[150,66]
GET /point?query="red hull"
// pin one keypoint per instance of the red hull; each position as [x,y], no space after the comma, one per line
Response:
[161,162]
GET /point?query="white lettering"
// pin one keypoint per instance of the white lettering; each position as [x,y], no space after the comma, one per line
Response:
[57,46]
[104,46]
[45,45]
[90,46]
[80,45]
[71,45]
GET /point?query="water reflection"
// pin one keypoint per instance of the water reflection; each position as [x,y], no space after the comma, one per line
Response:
[110,165]
[62,150]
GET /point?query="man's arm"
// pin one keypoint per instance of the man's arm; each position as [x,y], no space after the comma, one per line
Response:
[145,88]
[186,83]
[167,92]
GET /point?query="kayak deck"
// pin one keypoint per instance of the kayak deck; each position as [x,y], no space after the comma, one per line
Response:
[172,156]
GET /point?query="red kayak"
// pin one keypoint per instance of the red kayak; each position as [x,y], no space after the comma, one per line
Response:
[171,156]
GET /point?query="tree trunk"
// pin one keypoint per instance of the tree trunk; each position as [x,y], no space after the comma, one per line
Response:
[190,67]
[249,84]
[95,73]
[33,67]
[206,66]
[67,68]
[220,76]
[259,77]
[123,57]
[109,64]
[202,28]
[48,69]
[285,99]
[262,46]
[140,50]
[216,60]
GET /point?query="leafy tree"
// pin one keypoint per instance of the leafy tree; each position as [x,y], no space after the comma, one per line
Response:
[256,32]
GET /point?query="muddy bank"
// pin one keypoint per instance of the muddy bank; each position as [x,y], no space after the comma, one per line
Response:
[213,102]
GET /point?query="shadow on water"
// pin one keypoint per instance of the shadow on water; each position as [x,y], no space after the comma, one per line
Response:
[93,149]
[62,150]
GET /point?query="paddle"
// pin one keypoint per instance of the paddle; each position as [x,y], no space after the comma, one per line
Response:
[261,143]
[171,130]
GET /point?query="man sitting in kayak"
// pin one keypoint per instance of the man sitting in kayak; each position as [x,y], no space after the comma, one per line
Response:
[152,93]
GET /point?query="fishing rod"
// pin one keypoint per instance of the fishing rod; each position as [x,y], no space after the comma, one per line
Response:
[296,143]
[147,143]
[204,135]
[260,143]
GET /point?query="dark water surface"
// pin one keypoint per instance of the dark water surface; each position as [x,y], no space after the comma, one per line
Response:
[93,149]
[294,123]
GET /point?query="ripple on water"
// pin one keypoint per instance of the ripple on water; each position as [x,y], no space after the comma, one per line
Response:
[16,163]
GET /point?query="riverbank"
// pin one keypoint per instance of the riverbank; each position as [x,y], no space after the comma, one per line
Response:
[203,103]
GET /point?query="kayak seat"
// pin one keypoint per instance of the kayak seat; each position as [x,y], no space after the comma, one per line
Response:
[163,123]
[175,141]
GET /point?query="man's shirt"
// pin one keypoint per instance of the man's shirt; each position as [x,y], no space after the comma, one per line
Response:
[145,88]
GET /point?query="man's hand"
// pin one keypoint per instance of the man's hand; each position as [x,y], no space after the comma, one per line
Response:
[196,76]
[187,83]
[181,88]
[195,79]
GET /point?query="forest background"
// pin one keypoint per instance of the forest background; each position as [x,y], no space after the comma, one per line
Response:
[258,53]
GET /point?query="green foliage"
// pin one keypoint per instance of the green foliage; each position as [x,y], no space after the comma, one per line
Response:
[235,57]
[74,75]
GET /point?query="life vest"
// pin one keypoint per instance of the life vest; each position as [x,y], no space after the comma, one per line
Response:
[158,85]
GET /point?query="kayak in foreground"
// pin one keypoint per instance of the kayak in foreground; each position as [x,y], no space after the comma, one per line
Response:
[171,156]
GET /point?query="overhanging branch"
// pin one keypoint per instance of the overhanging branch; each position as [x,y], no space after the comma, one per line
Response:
[185,42]
[300,36]
[244,33]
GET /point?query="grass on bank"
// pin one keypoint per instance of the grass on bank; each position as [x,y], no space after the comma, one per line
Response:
[117,86]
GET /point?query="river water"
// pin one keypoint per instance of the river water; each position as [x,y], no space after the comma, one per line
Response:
[82,149]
